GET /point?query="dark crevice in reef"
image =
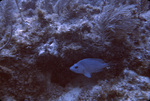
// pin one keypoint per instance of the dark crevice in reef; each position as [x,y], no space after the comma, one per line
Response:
[59,70]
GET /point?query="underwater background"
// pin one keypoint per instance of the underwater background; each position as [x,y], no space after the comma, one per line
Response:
[41,39]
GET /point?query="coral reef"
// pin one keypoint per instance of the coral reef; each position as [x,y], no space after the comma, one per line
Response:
[41,39]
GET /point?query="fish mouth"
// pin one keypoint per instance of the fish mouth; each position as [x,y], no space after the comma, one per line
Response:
[71,69]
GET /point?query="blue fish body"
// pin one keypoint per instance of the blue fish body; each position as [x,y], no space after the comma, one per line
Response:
[88,66]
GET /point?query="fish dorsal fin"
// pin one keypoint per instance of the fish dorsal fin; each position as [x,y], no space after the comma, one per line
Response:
[87,74]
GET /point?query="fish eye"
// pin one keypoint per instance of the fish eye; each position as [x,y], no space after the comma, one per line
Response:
[76,67]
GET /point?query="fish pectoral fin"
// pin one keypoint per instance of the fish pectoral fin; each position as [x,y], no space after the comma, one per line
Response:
[87,74]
